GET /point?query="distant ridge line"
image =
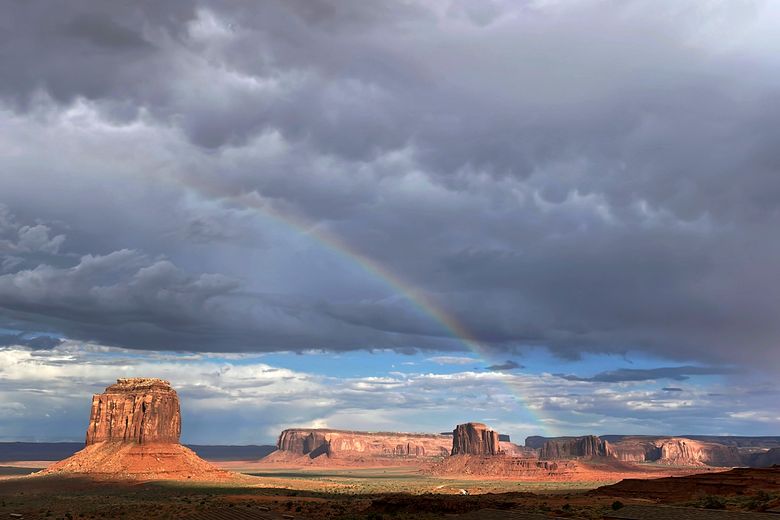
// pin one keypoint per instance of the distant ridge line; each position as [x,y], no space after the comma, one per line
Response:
[45,451]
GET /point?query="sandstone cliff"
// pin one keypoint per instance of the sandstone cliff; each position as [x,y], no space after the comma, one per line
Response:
[676,451]
[317,443]
[135,410]
[133,433]
[685,452]
[587,447]
[475,439]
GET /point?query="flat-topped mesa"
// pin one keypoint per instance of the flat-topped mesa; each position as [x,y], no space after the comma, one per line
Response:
[135,410]
[475,439]
[587,447]
[314,442]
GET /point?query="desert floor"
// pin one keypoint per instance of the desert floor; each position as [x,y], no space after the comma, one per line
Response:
[366,493]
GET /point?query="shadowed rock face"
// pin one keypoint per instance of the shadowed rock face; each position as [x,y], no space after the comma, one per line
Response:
[589,446]
[475,439]
[764,459]
[302,442]
[137,410]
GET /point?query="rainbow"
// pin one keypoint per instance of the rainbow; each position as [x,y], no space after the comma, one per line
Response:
[417,298]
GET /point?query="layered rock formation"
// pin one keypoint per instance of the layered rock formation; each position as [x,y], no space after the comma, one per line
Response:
[521,468]
[133,433]
[670,451]
[341,444]
[475,439]
[677,451]
[587,447]
[135,410]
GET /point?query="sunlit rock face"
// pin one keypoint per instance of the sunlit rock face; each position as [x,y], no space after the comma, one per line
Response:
[139,410]
[133,434]
[314,443]
[475,439]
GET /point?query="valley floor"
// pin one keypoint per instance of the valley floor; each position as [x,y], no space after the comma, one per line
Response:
[350,494]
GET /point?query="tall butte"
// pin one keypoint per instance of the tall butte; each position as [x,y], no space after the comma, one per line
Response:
[133,433]
[475,439]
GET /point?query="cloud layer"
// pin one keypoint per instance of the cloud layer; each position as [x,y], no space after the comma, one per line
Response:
[45,396]
[585,176]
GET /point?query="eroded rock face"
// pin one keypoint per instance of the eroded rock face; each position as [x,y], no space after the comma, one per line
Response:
[297,442]
[475,439]
[137,410]
[589,446]
[133,434]
[304,442]
[677,451]
[686,452]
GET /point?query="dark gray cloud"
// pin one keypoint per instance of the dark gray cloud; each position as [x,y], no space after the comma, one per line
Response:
[526,175]
[508,365]
[127,299]
[647,374]
[671,389]
[34,342]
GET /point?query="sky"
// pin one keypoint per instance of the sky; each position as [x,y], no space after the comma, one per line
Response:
[556,217]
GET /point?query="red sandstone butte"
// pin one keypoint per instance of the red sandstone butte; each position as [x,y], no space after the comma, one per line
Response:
[135,410]
[474,439]
[133,433]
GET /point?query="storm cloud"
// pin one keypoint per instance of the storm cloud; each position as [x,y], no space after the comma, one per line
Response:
[584,176]
[507,365]
[648,374]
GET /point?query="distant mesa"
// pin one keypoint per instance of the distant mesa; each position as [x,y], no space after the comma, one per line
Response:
[668,451]
[320,444]
[478,451]
[677,451]
[475,439]
[133,433]
[587,447]
[764,459]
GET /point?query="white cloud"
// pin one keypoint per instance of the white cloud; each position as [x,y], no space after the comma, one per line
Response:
[453,360]
[41,388]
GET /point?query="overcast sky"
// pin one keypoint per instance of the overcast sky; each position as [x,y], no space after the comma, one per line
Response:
[558,216]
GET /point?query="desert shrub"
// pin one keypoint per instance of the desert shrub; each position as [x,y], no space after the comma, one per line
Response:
[713,502]
[759,501]
[617,504]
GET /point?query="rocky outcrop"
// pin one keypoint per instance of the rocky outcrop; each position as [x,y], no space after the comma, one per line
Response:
[133,433]
[342,444]
[475,439]
[587,447]
[686,452]
[135,410]
[304,442]
[520,468]
[676,451]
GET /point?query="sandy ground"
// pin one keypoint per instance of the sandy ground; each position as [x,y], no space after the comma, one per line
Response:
[340,493]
